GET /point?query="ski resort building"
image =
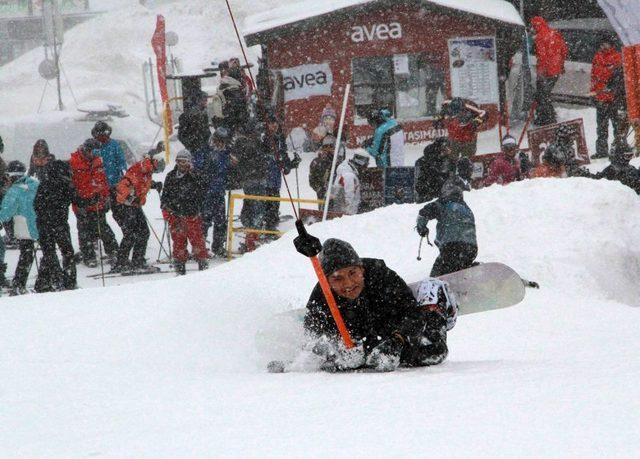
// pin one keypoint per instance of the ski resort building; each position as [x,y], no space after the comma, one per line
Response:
[406,55]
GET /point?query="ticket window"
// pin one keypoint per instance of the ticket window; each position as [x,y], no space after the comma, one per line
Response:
[412,86]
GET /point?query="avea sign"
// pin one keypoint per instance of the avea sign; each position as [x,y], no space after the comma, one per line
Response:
[307,81]
[383,32]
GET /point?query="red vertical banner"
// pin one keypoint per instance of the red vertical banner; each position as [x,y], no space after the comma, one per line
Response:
[159,48]
[630,60]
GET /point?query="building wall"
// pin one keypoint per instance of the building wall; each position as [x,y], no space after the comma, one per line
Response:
[330,41]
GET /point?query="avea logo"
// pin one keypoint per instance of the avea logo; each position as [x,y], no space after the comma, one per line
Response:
[391,31]
[303,80]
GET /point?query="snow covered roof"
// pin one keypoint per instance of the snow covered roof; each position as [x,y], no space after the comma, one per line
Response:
[499,10]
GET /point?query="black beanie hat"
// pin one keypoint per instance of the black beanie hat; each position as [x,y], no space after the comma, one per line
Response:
[337,254]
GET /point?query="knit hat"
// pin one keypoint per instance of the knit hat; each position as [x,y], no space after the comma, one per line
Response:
[360,160]
[329,112]
[337,254]
[184,155]
[329,140]
[509,141]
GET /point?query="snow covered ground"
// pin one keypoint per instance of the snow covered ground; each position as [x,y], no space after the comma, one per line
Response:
[170,369]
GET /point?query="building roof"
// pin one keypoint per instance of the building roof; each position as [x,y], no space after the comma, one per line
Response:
[499,10]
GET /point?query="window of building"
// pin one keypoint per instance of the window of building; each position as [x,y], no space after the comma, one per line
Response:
[412,86]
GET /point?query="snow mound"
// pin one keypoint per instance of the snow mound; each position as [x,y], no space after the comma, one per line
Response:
[170,368]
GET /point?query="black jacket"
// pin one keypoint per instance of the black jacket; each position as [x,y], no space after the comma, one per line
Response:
[386,305]
[183,196]
[625,174]
[193,130]
[54,196]
[253,159]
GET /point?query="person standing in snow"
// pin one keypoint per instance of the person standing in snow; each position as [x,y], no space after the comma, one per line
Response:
[345,194]
[52,201]
[387,143]
[113,160]
[433,168]
[603,69]
[462,118]
[39,159]
[455,231]
[131,195]
[279,163]
[230,104]
[380,312]
[320,167]
[193,126]
[17,204]
[91,202]
[510,166]
[181,203]
[551,53]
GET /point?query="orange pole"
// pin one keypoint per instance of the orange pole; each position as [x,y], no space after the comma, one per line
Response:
[630,55]
[333,307]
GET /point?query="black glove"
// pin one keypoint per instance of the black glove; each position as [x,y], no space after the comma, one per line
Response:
[421,226]
[367,143]
[306,244]
[295,162]
[157,186]
[386,355]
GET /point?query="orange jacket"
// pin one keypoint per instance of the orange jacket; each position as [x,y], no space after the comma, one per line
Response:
[547,171]
[132,189]
[89,181]
[551,49]
[603,66]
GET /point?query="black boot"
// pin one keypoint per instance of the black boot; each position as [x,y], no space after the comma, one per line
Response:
[181,269]
[202,265]
[3,279]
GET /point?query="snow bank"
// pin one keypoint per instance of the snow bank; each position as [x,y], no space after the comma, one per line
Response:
[169,368]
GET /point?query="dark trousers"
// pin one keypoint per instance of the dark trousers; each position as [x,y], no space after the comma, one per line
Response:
[51,276]
[24,263]
[430,348]
[135,235]
[214,213]
[545,113]
[252,213]
[453,257]
[605,112]
[91,227]
[272,210]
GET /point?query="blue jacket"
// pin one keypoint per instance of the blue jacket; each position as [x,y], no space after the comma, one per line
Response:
[456,222]
[380,149]
[18,204]
[213,165]
[113,160]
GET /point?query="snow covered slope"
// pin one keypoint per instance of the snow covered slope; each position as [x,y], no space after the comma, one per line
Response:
[169,368]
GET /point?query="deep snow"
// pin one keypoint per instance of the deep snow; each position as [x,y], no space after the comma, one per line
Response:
[170,368]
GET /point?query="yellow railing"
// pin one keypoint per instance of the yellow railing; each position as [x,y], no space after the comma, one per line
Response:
[166,125]
[231,229]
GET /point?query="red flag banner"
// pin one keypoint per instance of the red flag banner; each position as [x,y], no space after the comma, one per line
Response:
[159,48]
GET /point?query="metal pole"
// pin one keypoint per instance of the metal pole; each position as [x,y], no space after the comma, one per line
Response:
[56,59]
[527,95]
[327,198]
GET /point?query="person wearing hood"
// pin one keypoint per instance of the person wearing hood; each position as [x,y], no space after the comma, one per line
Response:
[131,194]
[380,312]
[40,157]
[455,231]
[510,166]
[551,53]
[55,195]
[17,204]
[233,111]
[620,169]
[345,194]
[606,62]
[433,168]
[387,144]
[91,201]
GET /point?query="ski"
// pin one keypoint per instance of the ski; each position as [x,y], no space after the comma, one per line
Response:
[135,272]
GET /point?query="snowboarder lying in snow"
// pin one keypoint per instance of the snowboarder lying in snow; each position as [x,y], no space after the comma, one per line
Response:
[380,312]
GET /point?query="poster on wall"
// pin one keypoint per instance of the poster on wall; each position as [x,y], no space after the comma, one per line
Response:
[474,69]
[306,81]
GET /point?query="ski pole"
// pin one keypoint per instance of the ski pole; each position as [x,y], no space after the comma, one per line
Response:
[100,248]
[156,236]
[420,249]
[526,125]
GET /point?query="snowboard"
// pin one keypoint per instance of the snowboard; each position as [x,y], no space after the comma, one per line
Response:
[486,287]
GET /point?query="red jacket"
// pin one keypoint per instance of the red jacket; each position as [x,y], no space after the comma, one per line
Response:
[461,132]
[603,66]
[503,170]
[90,181]
[132,189]
[547,171]
[551,49]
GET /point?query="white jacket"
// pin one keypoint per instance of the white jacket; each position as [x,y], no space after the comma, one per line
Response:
[345,195]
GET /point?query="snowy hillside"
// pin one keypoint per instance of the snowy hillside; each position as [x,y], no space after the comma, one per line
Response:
[170,369]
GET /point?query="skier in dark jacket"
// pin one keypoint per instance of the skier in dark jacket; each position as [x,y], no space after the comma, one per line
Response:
[379,311]
[620,169]
[181,203]
[193,129]
[433,169]
[40,157]
[53,198]
[456,229]
[563,147]
[233,96]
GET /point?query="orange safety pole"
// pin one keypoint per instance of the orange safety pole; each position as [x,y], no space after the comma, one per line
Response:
[630,64]
[333,307]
